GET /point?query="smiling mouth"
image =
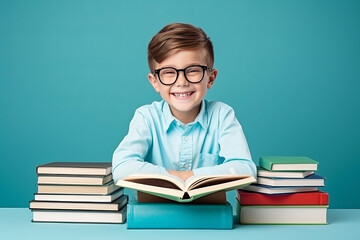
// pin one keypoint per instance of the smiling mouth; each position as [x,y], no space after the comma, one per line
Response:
[182,95]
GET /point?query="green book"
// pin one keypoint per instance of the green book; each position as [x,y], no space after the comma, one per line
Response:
[288,163]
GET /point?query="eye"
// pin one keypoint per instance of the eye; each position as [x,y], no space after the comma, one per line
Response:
[194,70]
[168,71]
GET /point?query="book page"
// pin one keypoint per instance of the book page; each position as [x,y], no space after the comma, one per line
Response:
[203,181]
[166,181]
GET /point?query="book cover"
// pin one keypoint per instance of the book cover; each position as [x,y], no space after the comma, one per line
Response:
[79,197]
[74,179]
[277,190]
[72,216]
[174,188]
[75,168]
[288,163]
[308,198]
[311,181]
[78,189]
[179,216]
[213,198]
[282,214]
[116,205]
[261,172]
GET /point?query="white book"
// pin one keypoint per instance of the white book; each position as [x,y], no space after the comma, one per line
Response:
[94,206]
[75,168]
[312,180]
[70,216]
[278,190]
[74,179]
[79,197]
[282,214]
[266,173]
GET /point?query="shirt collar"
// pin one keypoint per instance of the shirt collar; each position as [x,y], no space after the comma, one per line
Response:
[169,119]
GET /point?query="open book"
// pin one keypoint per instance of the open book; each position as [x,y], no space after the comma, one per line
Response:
[174,188]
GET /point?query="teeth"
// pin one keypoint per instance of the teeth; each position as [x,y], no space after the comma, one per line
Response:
[181,94]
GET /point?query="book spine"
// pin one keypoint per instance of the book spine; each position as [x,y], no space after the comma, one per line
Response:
[309,198]
[324,198]
[179,216]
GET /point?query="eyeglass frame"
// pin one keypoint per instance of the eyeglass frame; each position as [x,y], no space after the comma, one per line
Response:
[204,68]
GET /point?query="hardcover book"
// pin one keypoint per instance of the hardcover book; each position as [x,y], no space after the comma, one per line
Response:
[277,190]
[312,181]
[94,206]
[282,214]
[71,216]
[74,179]
[176,189]
[179,216]
[288,163]
[283,174]
[78,189]
[308,198]
[79,197]
[213,198]
[75,168]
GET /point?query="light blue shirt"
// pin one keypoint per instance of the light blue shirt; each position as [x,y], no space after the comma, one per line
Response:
[213,144]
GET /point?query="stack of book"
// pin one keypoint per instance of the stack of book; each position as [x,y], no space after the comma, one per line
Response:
[286,192]
[82,192]
[167,202]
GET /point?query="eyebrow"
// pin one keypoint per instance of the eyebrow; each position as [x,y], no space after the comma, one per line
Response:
[191,64]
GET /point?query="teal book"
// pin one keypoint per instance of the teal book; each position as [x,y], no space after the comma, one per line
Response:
[288,163]
[179,216]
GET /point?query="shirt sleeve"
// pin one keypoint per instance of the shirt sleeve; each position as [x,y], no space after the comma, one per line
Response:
[233,148]
[129,156]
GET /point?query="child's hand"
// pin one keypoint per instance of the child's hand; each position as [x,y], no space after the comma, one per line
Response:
[181,174]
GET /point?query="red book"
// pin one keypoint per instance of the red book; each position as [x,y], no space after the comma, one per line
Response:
[301,198]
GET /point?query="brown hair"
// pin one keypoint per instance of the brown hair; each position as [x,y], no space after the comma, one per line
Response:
[178,36]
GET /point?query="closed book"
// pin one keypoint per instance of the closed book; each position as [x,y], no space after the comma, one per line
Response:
[78,189]
[214,198]
[312,181]
[74,179]
[179,216]
[94,206]
[75,168]
[277,190]
[70,216]
[79,197]
[288,163]
[283,174]
[308,198]
[282,214]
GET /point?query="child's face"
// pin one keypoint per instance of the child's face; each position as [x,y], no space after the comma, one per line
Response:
[183,97]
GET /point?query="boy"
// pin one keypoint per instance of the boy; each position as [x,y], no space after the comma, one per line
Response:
[183,134]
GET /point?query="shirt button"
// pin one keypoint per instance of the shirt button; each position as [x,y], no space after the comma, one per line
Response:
[186,166]
[186,139]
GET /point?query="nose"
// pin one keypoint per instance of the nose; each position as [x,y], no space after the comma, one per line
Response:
[181,81]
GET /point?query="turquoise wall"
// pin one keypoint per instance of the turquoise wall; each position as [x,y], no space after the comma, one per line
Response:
[73,72]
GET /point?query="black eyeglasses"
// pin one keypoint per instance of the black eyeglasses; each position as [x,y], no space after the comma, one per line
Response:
[193,74]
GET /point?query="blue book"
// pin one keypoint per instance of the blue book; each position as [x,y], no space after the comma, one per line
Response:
[179,216]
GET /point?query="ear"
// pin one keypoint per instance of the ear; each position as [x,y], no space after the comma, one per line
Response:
[154,82]
[212,78]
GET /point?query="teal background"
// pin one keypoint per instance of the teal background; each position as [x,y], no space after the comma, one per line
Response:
[73,72]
